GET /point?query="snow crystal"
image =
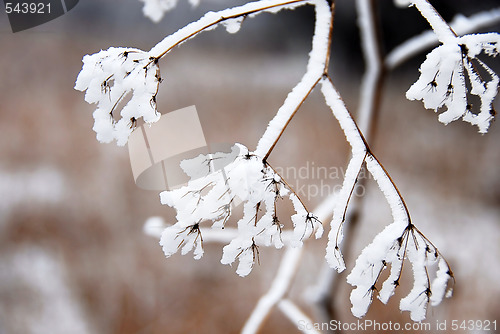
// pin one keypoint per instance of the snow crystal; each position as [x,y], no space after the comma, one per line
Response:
[305,223]
[391,283]
[416,301]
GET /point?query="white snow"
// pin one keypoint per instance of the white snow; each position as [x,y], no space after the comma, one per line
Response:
[396,243]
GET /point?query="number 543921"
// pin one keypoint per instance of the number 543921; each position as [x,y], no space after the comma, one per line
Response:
[474,325]
[27,7]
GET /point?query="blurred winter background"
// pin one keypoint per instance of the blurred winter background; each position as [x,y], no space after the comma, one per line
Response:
[73,255]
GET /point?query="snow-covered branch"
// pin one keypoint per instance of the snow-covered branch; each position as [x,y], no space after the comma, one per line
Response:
[124,82]
[449,71]
[316,67]
[391,245]
[360,152]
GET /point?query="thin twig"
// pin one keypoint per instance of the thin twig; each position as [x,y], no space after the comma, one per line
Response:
[212,19]
[318,58]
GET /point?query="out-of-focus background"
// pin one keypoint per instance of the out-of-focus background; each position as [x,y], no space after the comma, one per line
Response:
[73,255]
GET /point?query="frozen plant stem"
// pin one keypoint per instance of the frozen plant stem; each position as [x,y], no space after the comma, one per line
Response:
[317,67]
[360,153]
[438,24]
[212,19]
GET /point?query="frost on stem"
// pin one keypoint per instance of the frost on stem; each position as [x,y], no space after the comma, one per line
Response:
[123,82]
[210,195]
[452,73]
[390,248]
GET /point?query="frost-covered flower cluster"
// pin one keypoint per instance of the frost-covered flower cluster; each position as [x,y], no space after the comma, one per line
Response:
[452,76]
[220,182]
[391,247]
[452,72]
[123,82]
